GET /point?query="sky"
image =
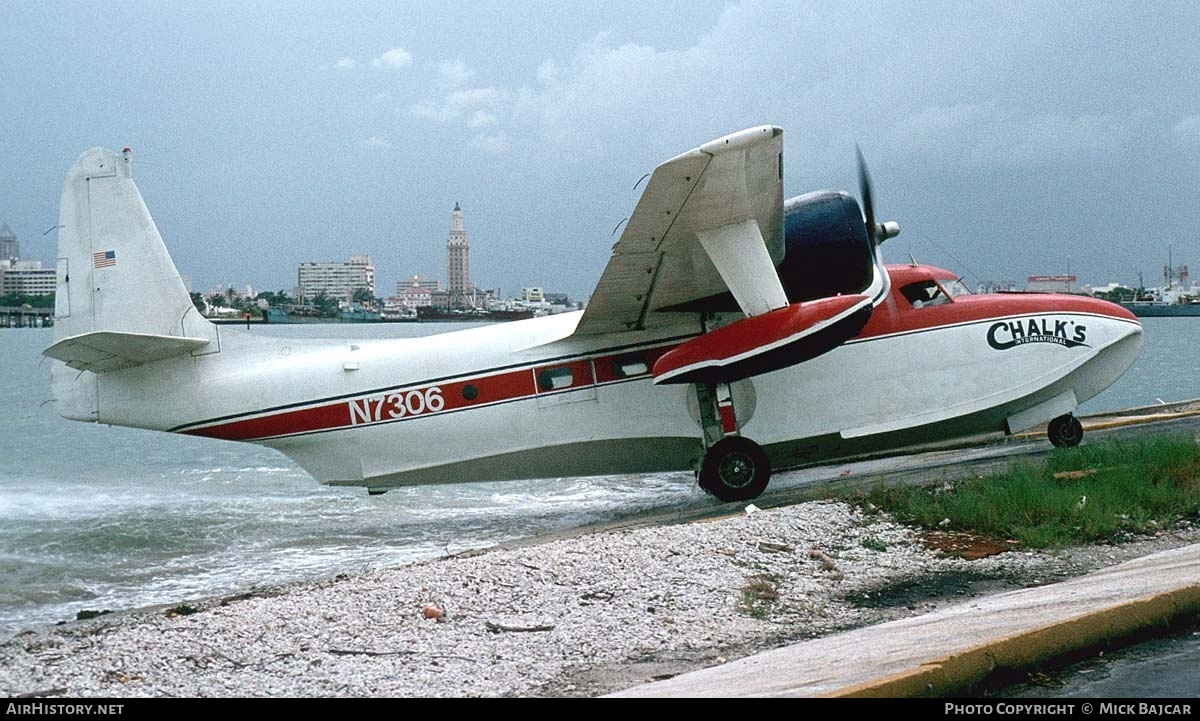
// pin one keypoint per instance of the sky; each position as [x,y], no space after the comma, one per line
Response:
[1008,139]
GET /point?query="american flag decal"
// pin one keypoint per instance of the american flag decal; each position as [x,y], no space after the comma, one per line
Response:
[107,259]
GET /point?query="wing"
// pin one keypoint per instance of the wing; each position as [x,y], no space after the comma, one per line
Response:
[710,221]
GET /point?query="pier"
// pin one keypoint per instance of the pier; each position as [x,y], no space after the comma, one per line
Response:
[22,317]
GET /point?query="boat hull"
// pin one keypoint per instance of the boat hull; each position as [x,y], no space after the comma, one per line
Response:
[1164,310]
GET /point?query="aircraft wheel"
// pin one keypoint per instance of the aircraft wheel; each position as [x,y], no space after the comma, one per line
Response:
[735,469]
[1065,431]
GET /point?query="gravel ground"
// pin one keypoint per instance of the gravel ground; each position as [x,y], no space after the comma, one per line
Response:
[572,616]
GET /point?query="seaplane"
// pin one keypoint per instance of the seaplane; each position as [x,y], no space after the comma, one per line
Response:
[732,332]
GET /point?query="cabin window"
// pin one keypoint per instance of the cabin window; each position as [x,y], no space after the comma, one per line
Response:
[627,366]
[954,288]
[553,379]
[924,293]
[470,392]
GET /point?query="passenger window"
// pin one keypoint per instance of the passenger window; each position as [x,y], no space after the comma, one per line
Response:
[627,366]
[553,379]
[923,294]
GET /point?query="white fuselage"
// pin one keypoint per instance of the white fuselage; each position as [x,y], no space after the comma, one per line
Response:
[529,399]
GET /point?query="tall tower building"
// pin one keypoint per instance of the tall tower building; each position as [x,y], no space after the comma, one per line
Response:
[9,248]
[458,265]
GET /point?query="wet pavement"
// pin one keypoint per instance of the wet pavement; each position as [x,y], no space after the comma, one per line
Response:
[1156,668]
[956,648]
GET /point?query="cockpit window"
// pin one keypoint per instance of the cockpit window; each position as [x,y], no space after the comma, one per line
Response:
[924,293]
[954,288]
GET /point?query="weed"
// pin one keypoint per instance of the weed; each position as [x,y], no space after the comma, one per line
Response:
[759,594]
[873,543]
[1103,493]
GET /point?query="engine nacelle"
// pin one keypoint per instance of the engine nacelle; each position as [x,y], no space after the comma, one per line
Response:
[763,343]
[827,253]
[828,249]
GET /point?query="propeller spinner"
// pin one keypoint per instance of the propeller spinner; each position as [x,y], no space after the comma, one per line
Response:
[879,232]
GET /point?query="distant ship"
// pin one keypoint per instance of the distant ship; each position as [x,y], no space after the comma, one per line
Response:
[360,315]
[430,314]
[346,315]
[1171,302]
[1160,309]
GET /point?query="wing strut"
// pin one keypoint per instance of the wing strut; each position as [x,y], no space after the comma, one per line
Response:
[739,254]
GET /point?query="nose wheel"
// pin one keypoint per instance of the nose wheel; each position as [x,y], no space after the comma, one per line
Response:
[1065,431]
[734,468]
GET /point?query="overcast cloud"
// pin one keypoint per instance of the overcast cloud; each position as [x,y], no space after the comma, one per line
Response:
[1008,139]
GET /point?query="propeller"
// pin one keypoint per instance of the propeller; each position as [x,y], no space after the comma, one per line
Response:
[879,232]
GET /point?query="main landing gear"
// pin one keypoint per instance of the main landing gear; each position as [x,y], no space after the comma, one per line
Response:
[734,468]
[1065,431]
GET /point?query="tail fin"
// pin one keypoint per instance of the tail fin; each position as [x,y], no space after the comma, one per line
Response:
[114,273]
[115,278]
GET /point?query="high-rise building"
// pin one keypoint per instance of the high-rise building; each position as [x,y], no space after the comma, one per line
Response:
[10,249]
[337,280]
[458,264]
[1050,283]
[26,277]
[418,281]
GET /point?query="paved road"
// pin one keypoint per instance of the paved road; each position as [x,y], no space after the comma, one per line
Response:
[1159,668]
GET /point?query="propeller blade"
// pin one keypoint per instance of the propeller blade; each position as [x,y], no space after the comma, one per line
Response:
[864,191]
[877,232]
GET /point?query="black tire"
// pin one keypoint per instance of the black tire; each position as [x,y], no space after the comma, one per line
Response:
[735,469]
[1065,431]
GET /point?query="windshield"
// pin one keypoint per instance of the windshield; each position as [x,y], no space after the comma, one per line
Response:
[954,288]
[924,293]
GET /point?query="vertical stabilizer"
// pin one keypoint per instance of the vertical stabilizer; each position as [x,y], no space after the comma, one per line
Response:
[114,273]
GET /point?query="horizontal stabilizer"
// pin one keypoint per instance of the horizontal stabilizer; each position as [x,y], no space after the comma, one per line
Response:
[102,351]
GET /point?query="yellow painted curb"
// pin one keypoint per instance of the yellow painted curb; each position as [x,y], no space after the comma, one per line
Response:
[1127,421]
[1139,420]
[952,673]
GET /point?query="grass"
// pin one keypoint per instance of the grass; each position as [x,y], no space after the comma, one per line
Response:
[873,543]
[760,594]
[1104,492]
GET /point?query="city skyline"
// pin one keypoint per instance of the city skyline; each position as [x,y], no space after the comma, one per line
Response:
[457,238]
[1006,139]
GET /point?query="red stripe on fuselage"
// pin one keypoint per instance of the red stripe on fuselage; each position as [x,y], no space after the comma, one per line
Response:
[621,366]
[399,404]
[378,407]
[333,415]
[895,315]
[580,376]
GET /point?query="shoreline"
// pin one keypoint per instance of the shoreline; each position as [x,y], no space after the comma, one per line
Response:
[574,614]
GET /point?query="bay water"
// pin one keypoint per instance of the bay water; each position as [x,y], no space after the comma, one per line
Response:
[95,517]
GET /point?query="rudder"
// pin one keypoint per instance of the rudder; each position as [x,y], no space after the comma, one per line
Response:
[114,272]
